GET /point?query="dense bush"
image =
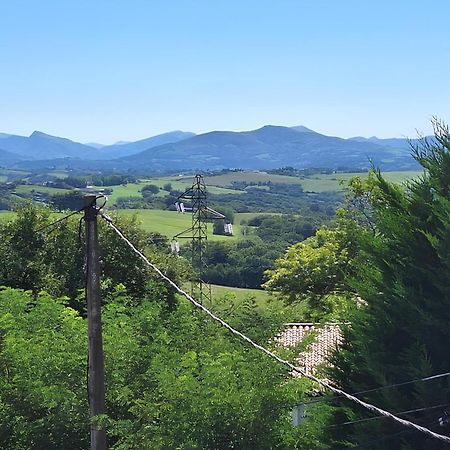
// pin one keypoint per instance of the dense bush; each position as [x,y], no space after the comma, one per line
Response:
[173,380]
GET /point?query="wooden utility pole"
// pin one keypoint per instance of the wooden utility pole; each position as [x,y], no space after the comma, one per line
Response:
[95,345]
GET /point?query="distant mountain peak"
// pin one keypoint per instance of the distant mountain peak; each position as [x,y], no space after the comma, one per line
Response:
[41,135]
[37,133]
[302,129]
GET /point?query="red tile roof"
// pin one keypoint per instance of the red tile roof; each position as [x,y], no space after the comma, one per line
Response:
[327,338]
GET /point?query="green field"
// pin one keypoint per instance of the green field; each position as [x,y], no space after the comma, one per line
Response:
[240,217]
[29,188]
[134,189]
[313,183]
[182,184]
[12,174]
[225,180]
[220,184]
[170,223]
[167,223]
[8,215]
[58,173]
[259,295]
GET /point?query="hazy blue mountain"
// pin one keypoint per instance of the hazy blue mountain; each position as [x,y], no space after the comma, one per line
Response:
[8,158]
[129,148]
[265,148]
[403,143]
[41,146]
[302,129]
[44,146]
[95,144]
[269,147]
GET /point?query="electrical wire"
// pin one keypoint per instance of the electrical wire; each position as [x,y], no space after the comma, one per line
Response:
[338,391]
[337,397]
[397,413]
[52,225]
[390,436]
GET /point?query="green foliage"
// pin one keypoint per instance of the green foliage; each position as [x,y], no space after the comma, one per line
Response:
[172,380]
[286,229]
[35,257]
[240,263]
[243,263]
[149,189]
[42,383]
[98,180]
[287,199]
[72,200]
[315,271]
[402,331]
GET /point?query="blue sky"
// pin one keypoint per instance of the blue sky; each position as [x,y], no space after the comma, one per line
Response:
[108,70]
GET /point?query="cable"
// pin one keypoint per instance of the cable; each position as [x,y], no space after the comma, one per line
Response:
[432,377]
[398,413]
[53,224]
[389,437]
[198,305]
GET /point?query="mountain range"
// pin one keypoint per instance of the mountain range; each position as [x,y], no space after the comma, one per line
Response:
[265,148]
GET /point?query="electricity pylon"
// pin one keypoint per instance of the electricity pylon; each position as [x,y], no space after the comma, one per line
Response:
[197,197]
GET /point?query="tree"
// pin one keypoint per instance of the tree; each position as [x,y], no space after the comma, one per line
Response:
[150,189]
[43,400]
[38,257]
[315,271]
[239,263]
[173,380]
[402,333]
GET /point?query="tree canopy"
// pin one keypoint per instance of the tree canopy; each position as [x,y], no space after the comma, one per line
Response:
[399,331]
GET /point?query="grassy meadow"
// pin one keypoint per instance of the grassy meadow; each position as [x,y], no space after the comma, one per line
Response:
[312,183]
[260,296]
[170,223]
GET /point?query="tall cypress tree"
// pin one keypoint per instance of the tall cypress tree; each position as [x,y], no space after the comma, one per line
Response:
[403,331]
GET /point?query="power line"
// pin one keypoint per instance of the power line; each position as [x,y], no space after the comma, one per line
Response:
[432,377]
[398,413]
[53,224]
[268,352]
[389,437]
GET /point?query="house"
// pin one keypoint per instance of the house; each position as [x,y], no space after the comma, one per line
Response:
[327,338]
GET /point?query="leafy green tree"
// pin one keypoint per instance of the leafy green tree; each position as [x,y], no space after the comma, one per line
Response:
[172,380]
[150,189]
[36,256]
[315,271]
[43,398]
[239,263]
[402,332]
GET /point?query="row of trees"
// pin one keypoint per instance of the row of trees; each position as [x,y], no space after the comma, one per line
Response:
[242,263]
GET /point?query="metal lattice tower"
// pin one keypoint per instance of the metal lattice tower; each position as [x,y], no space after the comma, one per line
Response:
[196,195]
